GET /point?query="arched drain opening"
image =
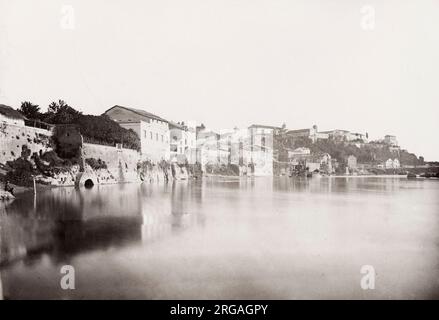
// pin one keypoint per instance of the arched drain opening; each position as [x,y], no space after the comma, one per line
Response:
[88,183]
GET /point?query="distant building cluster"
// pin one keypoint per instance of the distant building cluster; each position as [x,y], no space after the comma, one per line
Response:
[314,134]
[249,149]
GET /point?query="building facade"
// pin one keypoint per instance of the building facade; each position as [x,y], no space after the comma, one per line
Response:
[390,140]
[152,130]
[251,147]
[183,142]
[299,152]
[261,149]
[208,151]
[392,164]
[352,162]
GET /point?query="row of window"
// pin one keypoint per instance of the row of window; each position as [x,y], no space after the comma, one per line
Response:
[151,136]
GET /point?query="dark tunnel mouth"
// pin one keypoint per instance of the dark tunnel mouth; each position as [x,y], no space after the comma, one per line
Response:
[88,183]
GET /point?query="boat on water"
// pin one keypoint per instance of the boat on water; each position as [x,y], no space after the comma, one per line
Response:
[411,175]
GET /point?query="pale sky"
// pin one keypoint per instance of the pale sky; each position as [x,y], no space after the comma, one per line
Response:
[232,63]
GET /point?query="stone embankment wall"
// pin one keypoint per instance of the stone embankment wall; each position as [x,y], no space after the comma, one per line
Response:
[121,167]
[15,138]
[121,163]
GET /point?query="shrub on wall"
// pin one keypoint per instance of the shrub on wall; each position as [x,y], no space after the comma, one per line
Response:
[94,129]
[96,164]
[21,172]
[103,130]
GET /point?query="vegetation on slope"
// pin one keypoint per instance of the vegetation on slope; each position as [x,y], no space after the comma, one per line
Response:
[94,129]
[372,153]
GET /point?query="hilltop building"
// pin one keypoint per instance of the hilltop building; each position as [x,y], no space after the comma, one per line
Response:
[152,130]
[390,140]
[299,152]
[346,135]
[338,134]
[311,133]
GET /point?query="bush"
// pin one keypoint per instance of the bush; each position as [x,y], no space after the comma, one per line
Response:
[94,129]
[96,164]
[21,172]
[103,130]
[373,153]
[55,161]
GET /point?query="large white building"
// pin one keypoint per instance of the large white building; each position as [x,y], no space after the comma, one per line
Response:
[261,149]
[392,164]
[183,141]
[251,147]
[152,130]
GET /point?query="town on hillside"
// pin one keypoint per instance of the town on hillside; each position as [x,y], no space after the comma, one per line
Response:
[65,147]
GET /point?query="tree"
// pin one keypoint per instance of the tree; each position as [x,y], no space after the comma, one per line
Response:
[30,110]
[103,130]
[61,113]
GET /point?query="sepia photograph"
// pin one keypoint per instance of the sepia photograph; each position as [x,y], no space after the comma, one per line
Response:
[219,150]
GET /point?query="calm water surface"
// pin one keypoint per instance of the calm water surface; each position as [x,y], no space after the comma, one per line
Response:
[264,238]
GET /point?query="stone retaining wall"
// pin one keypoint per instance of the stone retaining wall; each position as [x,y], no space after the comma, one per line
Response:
[15,138]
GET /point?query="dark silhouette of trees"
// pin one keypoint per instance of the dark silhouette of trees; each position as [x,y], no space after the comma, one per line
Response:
[94,129]
[30,110]
[103,130]
[61,113]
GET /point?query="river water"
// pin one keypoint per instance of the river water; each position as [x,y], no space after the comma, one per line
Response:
[225,238]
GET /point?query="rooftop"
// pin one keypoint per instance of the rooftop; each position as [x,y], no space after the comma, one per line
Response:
[263,126]
[174,125]
[298,130]
[335,130]
[140,112]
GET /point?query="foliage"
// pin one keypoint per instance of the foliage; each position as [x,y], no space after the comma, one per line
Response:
[21,172]
[30,110]
[103,130]
[222,169]
[96,164]
[55,161]
[95,129]
[372,153]
[61,113]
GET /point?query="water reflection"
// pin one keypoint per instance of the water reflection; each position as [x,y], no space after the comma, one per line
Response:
[224,238]
[63,222]
[170,208]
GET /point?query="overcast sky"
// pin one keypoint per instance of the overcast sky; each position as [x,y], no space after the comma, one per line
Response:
[232,63]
